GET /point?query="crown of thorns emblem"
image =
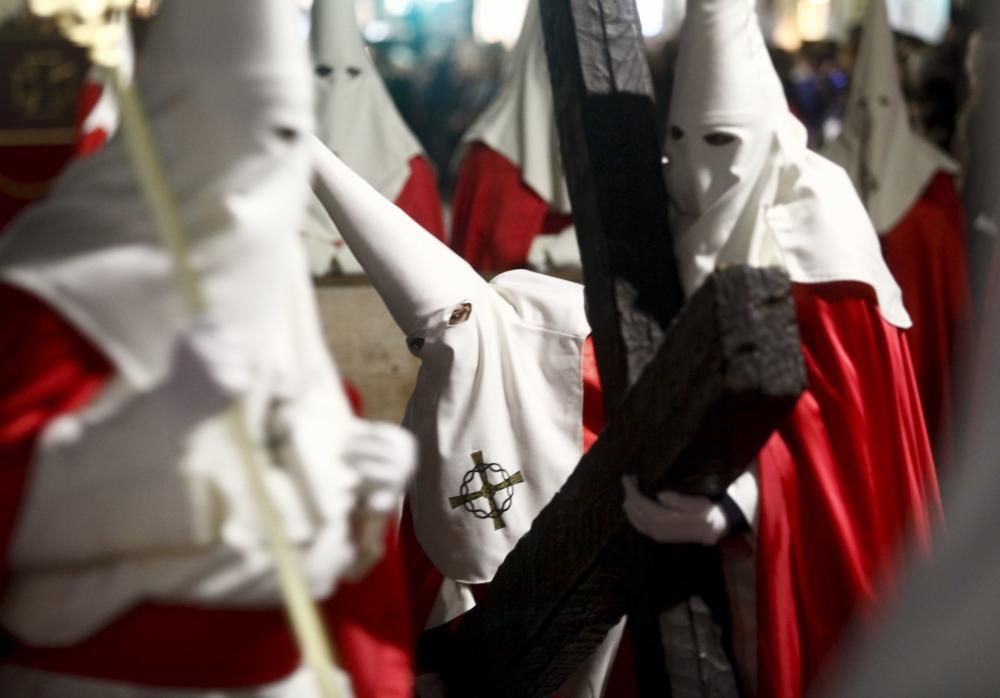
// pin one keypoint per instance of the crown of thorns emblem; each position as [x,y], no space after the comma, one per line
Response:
[502,486]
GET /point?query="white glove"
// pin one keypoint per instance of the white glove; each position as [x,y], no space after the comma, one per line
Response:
[674,517]
[384,455]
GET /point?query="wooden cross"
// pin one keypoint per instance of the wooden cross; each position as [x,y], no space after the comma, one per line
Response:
[488,491]
[693,392]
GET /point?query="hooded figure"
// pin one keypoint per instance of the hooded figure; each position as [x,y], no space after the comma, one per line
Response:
[357,119]
[134,565]
[908,186]
[849,472]
[511,186]
[506,400]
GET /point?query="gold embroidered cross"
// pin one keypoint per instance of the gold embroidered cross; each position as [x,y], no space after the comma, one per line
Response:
[489,491]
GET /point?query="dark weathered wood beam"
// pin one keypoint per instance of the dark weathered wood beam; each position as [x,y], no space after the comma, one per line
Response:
[610,148]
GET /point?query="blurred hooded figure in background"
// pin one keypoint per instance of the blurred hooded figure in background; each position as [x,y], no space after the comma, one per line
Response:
[511,191]
[908,188]
[357,119]
[849,473]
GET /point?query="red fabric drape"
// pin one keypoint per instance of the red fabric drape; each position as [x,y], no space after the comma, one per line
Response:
[46,369]
[90,141]
[496,215]
[420,198]
[370,623]
[844,480]
[926,253]
[370,619]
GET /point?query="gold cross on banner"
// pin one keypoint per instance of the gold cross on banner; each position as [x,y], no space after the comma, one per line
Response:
[489,491]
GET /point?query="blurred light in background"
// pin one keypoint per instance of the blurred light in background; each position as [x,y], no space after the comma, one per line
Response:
[813,19]
[785,25]
[927,19]
[651,16]
[378,31]
[789,22]
[498,21]
[398,8]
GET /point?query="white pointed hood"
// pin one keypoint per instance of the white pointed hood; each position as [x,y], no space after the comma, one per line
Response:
[520,124]
[226,88]
[743,187]
[500,375]
[890,165]
[356,117]
[93,249]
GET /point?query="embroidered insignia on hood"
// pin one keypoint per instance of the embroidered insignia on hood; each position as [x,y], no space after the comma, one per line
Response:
[504,490]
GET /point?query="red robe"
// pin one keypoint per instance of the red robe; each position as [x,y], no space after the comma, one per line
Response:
[93,140]
[420,198]
[844,480]
[157,644]
[926,253]
[370,619]
[370,623]
[496,215]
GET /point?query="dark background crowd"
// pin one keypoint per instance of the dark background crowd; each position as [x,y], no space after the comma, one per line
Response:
[441,77]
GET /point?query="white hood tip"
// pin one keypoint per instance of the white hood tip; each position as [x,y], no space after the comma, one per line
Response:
[744,189]
[889,164]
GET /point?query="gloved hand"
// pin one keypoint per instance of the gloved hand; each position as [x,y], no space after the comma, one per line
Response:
[674,517]
[384,455]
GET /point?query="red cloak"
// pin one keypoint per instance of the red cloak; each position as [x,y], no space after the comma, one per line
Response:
[846,478]
[420,198]
[926,253]
[496,215]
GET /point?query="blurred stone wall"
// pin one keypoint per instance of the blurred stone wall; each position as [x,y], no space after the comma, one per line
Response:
[369,349]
